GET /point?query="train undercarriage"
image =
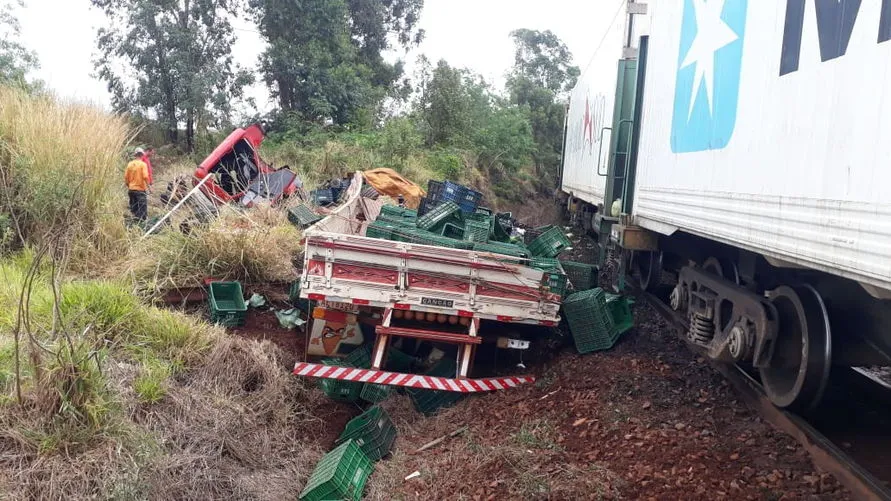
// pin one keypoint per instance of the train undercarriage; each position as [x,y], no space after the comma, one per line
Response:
[791,325]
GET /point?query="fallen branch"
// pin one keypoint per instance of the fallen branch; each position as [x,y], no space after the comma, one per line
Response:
[441,439]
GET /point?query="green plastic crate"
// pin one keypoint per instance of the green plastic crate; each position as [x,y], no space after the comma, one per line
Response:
[506,249]
[452,230]
[373,431]
[582,276]
[620,311]
[556,281]
[589,321]
[302,216]
[545,263]
[341,474]
[439,215]
[428,402]
[227,306]
[480,217]
[423,237]
[343,391]
[476,231]
[551,243]
[497,233]
[380,230]
[400,212]
[359,358]
[375,393]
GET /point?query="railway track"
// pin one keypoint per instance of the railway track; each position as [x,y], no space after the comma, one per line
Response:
[856,457]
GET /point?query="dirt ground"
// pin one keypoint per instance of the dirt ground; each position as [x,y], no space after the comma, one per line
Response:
[645,420]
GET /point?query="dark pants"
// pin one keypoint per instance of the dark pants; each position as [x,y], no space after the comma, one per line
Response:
[138,205]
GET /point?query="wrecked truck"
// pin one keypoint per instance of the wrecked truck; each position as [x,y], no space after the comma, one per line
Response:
[238,174]
[453,299]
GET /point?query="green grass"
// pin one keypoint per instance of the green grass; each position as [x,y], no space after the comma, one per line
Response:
[67,399]
[151,384]
[539,434]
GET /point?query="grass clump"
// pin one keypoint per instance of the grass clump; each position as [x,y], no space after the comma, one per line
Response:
[60,170]
[256,246]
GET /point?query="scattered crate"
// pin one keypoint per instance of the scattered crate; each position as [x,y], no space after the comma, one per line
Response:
[452,230]
[343,391]
[533,233]
[505,249]
[425,206]
[341,474]
[497,233]
[375,393]
[428,402]
[323,197]
[295,299]
[582,276]
[227,306]
[476,231]
[394,211]
[620,311]
[302,216]
[359,358]
[551,243]
[590,321]
[372,431]
[439,215]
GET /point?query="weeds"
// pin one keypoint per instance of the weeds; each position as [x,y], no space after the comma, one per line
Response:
[60,169]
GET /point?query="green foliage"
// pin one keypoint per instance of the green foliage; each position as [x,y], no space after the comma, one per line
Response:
[16,61]
[447,165]
[173,59]
[324,59]
[542,72]
[399,139]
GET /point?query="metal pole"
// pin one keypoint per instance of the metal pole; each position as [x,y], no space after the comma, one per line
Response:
[177,206]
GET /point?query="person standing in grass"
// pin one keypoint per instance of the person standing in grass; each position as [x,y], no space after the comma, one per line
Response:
[136,178]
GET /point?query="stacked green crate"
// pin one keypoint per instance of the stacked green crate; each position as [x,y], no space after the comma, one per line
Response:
[555,276]
[382,230]
[372,431]
[341,474]
[476,231]
[453,230]
[502,248]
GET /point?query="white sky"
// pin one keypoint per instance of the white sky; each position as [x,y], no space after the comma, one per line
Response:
[466,33]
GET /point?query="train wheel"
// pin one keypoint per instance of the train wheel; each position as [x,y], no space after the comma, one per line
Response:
[723,268]
[799,367]
[649,269]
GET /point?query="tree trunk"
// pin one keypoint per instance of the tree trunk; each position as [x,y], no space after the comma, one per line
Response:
[190,131]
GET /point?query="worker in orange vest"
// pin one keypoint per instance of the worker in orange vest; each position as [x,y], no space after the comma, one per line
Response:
[136,177]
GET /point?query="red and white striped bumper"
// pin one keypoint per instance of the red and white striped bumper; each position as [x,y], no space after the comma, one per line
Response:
[461,385]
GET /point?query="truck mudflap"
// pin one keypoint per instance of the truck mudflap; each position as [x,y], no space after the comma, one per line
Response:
[459,385]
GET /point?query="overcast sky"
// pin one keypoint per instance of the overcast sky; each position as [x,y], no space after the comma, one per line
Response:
[468,33]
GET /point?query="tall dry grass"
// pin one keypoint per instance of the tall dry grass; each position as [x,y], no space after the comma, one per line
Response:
[61,171]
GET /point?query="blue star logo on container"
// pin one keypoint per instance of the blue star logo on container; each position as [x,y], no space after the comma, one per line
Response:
[706,93]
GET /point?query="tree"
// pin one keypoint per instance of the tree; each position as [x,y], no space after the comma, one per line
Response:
[15,60]
[541,76]
[172,58]
[324,59]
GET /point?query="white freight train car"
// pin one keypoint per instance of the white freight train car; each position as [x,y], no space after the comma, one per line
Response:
[767,126]
[592,102]
[757,174]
